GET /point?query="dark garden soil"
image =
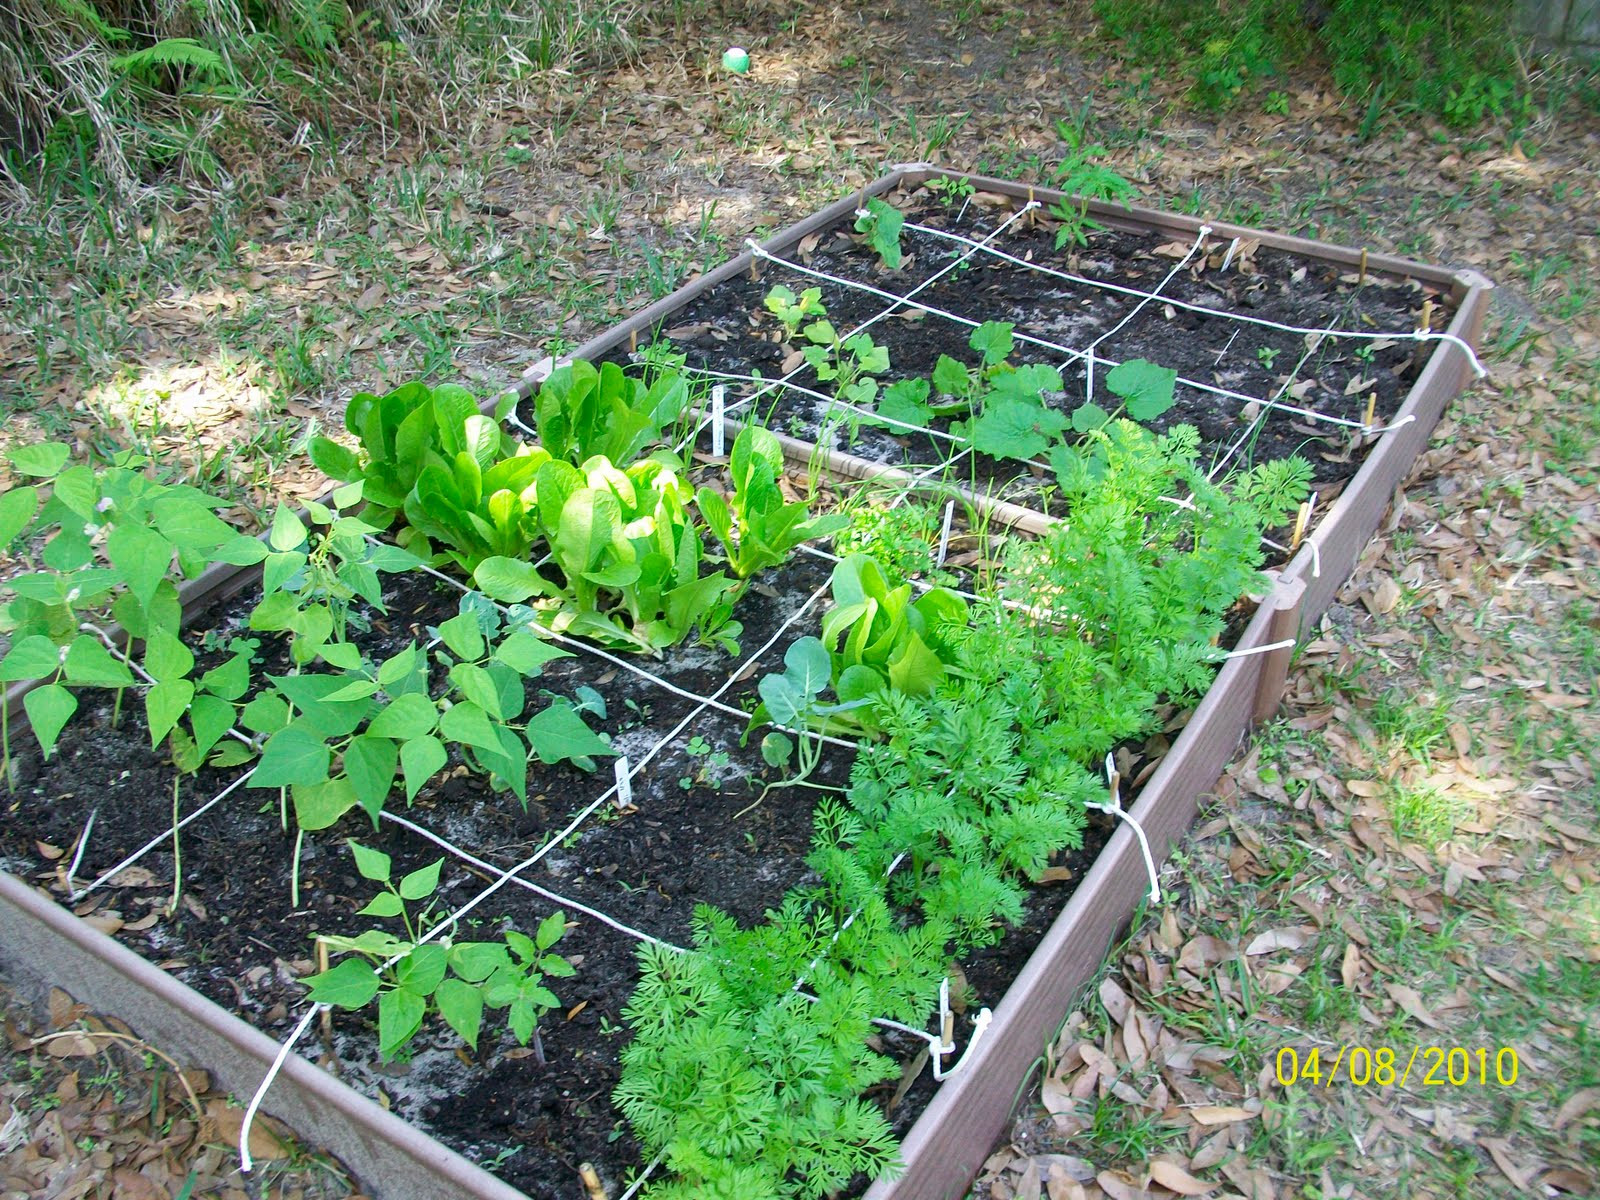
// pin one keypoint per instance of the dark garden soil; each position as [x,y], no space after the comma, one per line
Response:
[698,831]
[729,330]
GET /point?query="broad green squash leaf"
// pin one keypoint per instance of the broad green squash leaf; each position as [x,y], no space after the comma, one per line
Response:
[1016,429]
[1147,390]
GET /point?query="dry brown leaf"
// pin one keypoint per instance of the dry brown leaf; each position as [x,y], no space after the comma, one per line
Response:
[1350,966]
[1575,1106]
[1219,1114]
[1411,1003]
[1500,1150]
[1175,1179]
[1120,1185]
[1383,597]
[1115,1000]
[1567,1179]
[1286,938]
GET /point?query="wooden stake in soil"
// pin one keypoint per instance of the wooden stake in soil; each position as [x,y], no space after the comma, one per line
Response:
[326,1021]
[1361,275]
[633,341]
[1302,519]
[1372,410]
[591,1181]
[1426,323]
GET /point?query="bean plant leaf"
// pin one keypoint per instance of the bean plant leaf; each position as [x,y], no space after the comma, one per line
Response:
[422,882]
[468,724]
[17,509]
[559,733]
[89,662]
[320,805]
[422,970]
[288,532]
[142,556]
[421,758]
[210,718]
[464,636]
[333,460]
[461,1005]
[1146,389]
[34,657]
[349,984]
[405,717]
[384,904]
[369,763]
[166,657]
[373,864]
[400,1014]
[43,460]
[292,755]
[527,653]
[164,705]
[49,709]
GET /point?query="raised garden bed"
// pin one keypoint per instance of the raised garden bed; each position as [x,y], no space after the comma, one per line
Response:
[689,837]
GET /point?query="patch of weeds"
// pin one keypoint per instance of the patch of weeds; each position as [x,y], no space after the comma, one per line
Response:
[1424,813]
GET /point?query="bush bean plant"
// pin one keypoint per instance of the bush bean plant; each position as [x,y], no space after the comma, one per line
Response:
[982,721]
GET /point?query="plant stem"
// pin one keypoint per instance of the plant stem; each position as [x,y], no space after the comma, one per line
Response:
[294,869]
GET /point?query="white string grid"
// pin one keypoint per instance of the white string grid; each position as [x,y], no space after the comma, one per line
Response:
[443,926]
[713,702]
[1070,353]
[1416,335]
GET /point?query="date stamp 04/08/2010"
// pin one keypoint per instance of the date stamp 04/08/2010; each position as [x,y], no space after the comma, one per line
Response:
[1385,1066]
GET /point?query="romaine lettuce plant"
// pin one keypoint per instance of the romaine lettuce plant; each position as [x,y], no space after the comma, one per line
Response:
[629,559]
[404,432]
[757,527]
[454,979]
[879,637]
[583,411]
